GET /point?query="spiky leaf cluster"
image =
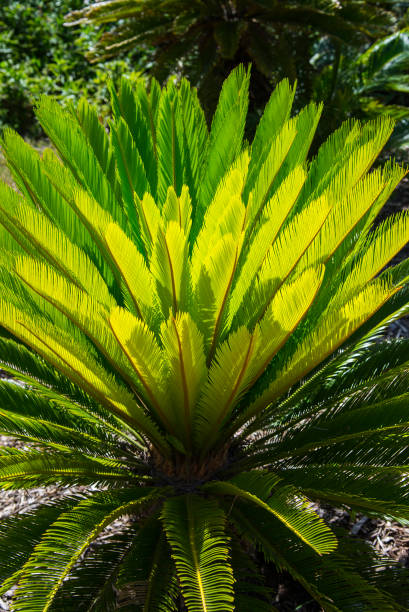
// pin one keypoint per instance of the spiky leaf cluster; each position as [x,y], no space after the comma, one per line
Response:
[197,323]
[205,40]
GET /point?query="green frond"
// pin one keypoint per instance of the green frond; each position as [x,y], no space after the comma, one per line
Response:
[346,159]
[225,214]
[78,364]
[76,151]
[375,490]
[195,138]
[285,310]
[337,581]
[385,242]
[141,348]
[169,267]
[362,421]
[67,538]
[330,158]
[262,533]
[306,123]
[47,241]
[187,308]
[213,287]
[392,174]
[185,363]
[244,357]
[79,307]
[332,331]
[20,533]
[97,220]
[148,571]
[226,134]
[283,503]
[230,374]
[21,469]
[130,168]
[91,584]
[275,115]
[27,414]
[346,212]
[178,209]
[56,388]
[286,254]
[149,220]
[134,107]
[275,214]
[267,175]
[92,127]
[42,190]
[169,143]
[133,269]
[195,529]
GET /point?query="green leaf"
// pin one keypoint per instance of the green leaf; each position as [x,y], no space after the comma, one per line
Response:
[293,511]
[195,528]
[226,133]
[147,575]
[65,541]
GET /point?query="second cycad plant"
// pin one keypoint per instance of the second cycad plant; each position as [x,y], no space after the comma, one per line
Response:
[197,320]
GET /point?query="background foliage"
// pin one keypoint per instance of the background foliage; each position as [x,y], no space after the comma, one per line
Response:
[38,54]
[348,54]
[307,40]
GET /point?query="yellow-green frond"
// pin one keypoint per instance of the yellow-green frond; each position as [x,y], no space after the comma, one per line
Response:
[149,219]
[284,313]
[213,287]
[57,347]
[88,315]
[225,214]
[330,333]
[133,269]
[289,248]
[142,349]
[229,376]
[292,511]
[52,244]
[178,209]
[261,192]
[347,210]
[274,215]
[185,364]
[169,267]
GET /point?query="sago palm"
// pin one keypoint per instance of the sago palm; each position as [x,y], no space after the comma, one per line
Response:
[197,322]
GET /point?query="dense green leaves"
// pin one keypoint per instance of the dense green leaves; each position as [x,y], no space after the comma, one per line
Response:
[195,324]
[300,40]
[195,529]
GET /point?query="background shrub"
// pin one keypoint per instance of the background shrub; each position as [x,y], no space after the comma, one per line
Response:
[38,54]
[323,45]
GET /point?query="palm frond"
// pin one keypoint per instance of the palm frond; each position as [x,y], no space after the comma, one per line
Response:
[195,529]
[67,538]
[20,533]
[261,489]
[148,571]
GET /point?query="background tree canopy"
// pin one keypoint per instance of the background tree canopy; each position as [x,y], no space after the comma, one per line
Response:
[298,40]
[38,54]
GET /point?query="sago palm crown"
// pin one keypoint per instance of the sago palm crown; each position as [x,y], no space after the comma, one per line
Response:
[197,321]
